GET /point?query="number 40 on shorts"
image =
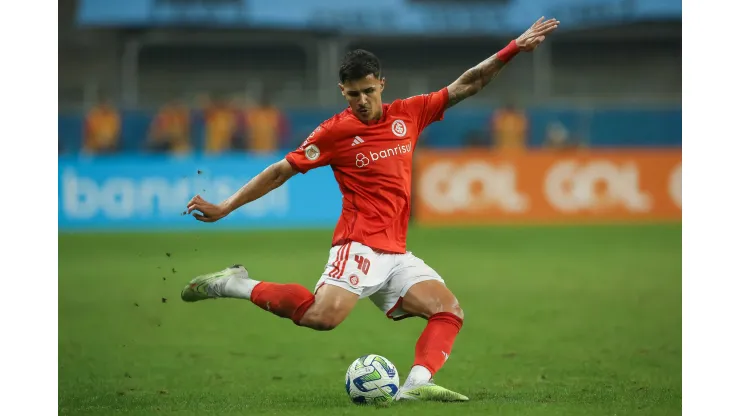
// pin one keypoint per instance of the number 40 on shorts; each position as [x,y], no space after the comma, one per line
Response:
[363,264]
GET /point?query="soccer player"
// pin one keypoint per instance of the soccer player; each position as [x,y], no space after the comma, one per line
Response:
[369,147]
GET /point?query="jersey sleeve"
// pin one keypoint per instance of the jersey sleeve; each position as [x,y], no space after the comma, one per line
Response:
[316,151]
[428,108]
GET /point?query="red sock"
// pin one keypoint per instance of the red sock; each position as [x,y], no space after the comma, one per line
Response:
[286,301]
[435,343]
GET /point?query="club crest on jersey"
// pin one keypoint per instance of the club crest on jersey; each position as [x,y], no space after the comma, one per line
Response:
[312,152]
[399,128]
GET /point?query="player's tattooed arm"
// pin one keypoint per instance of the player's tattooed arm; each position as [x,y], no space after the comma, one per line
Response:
[473,80]
[477,77]
[271,178]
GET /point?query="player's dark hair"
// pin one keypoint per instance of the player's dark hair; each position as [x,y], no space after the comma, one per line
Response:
[358,64]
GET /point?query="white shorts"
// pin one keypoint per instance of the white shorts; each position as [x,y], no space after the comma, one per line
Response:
[384,278]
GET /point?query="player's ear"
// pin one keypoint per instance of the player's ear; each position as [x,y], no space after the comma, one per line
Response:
[341,87]
[382,83]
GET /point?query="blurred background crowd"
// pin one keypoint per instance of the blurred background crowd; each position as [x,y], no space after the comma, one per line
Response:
[220,76]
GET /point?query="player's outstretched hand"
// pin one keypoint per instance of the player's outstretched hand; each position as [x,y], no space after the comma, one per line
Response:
[209,212]
[535,35]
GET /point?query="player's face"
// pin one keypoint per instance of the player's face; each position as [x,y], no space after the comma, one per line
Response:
[363,96]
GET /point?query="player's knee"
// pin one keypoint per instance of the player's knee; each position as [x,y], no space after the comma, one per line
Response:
[457,311]
[452,308]
[445,307]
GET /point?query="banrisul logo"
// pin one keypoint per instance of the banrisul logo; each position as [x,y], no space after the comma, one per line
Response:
[393,151]
[362,160]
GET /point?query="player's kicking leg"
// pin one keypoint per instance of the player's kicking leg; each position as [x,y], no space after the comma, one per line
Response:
[431,300]
[415,289]
[323,311]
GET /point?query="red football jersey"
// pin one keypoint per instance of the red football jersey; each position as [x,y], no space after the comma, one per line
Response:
[372,164]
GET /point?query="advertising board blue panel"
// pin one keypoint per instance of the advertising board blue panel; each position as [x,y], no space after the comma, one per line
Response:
[151,192]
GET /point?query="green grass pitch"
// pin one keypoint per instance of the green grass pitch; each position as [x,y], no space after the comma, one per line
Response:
[559,321]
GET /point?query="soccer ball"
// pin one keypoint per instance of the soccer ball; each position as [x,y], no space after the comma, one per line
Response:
[371,379]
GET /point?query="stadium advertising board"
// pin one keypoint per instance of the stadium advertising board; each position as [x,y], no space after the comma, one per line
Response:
[129,193]
[548,187]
